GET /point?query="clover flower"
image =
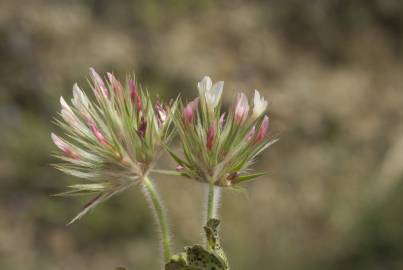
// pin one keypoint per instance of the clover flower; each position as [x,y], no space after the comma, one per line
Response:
[211,93]
[259,104]
[219,149]
[112,141]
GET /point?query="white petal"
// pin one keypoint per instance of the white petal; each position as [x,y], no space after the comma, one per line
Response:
[58,142]
[79,99]
[259,104]
[64,104]
[256,98]
[213,95]
[216,92]
[204,85]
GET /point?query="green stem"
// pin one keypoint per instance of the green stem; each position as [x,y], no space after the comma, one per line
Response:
[160,216]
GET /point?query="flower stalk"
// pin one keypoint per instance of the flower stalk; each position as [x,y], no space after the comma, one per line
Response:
[160,216]
[212,202]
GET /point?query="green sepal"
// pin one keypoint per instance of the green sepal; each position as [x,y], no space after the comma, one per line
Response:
[248,177]
[177,159]
[84,189]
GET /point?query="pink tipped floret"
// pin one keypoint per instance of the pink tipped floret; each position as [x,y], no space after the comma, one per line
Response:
[99,83]
[264,128]
[241,108]
[210,137]
[190,109]
[64,147]
[116,85]
[100,137]
[134,95]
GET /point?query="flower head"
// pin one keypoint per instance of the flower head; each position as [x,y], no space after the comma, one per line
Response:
[219,147]
[114,140]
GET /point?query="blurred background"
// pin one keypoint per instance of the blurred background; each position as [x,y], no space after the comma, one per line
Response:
[331,70]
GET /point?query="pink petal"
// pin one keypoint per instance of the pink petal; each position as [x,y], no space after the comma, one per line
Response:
[134,95]
[210,137]
[116,85]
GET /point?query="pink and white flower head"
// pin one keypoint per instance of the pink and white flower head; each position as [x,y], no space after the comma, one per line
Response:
[112,141]
[219,149]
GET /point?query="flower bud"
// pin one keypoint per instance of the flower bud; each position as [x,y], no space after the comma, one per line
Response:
[221,121]
[190,109]
[80,101]
[250,134]
[68,115]
[134,95]
[64,147]
[99,83]
[264,127]
[116,85]
[210,137]
[259,105]
[142,127]
[213,95]
[241,109]
[96,132]
[64,104]
[204,85]
[161,113]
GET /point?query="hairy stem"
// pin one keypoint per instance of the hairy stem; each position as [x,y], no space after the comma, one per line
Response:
[213,196]
[160,216]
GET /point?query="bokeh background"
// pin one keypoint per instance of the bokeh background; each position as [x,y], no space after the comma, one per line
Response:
[332,71]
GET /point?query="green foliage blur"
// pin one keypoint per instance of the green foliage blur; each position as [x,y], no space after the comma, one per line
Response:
[331,70]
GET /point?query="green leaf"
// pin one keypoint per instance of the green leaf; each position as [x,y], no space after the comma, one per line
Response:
[213,240]
[249,177]
[177,262]
[197,257]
